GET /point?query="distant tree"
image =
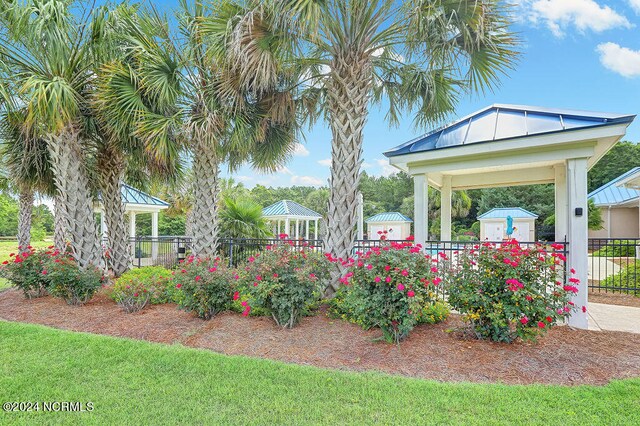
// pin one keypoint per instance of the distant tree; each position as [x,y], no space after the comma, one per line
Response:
[42,217]
[623,157]
[538,199]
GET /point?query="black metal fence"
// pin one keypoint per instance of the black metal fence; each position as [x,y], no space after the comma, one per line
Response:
[238,250]
[159,251]
[614,265]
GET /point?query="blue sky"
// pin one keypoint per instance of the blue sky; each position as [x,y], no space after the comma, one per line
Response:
[578,54]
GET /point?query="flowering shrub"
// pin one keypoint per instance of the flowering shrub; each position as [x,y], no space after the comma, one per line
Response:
[132,295]
[284,281]
[70,283]
[433,313]
[387,287]
[28,271]
[511,292]
[206,286]
[155,279]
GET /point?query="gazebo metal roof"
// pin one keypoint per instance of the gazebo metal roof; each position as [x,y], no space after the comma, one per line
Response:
[388,217]
[503,121]
[504,212]
[290,209]
[131,195]
[613,193]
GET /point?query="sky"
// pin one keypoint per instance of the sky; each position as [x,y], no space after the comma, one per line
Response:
[577,54]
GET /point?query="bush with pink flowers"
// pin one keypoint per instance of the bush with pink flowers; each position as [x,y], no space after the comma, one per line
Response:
[388,287]
[206,286]
[27,270]
[67,281]
[510,291]
[284,281]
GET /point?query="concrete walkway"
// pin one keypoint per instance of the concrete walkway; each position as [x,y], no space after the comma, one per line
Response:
[614,318]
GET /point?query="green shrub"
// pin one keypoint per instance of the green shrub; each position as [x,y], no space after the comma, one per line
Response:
[206,285]
[434,313]
[155,279]
[387,287]
[617,248]
[74,285]
[38,233]
[284,281]
[626,277]
[510,292]
[28,271]
[132,295]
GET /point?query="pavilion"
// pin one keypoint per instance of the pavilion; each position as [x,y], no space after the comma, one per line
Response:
[506,145]
[286,212]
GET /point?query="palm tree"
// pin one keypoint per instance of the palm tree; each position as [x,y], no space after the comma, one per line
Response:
[419,55]
[221,114]
[44,56]
[242,218]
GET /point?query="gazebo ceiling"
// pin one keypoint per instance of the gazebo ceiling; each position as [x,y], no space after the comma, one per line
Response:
[137,201]
[289,209]
[485,148]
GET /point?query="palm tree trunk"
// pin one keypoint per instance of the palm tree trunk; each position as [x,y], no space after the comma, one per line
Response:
[205,222]
[348,91]
[24,219]
[74,194]
[59,229]
[111,172]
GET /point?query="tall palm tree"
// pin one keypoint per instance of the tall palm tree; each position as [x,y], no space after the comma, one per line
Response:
[221,114]
[242,218]
[419,55]
[44,54]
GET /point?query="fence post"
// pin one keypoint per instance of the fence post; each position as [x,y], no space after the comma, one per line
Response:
[230,252]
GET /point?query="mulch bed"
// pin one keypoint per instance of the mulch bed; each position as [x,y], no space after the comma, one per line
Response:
[611,298]
[564,356]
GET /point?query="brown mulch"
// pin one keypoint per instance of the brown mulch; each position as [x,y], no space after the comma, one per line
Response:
[614,298]
[564,356]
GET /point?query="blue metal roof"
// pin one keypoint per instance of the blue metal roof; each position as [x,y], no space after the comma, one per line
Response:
[504,212]
[610,194]
[131,195]
[388,217]
[502,121]
[289,208]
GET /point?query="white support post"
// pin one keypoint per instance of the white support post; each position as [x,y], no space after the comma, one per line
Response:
[279,227]
[286,227]
[315,230]
[103,227]
[360,216]
[561,202]
[154,235]
[578,258]
[421,208]
[306,229]
[297,229]
[132,232]
[445,209]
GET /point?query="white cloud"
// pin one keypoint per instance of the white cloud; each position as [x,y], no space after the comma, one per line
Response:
[366,165]
[326,162]
[585,15]
[621,60]
[635,5]
[300,150]
[284,171]
[387,169]
[306,180]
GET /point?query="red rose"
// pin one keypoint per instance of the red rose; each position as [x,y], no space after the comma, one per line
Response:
[236,295]
[541,324]
[410,293]
[178,285]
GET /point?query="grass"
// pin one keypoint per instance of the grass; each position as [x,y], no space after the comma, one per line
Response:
[8,247]
[133,382]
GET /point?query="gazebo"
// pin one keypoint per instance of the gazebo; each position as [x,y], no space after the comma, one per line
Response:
[136,202]
[283,213]
[505,145]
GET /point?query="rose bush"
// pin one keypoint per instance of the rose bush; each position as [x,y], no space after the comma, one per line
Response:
[67,281]
[388,287]
[28,271]
[510,291]
[132,295]
[206,286]
[284,281]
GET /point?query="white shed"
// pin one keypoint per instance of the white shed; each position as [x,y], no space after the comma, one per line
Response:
[397,225]
[493,224]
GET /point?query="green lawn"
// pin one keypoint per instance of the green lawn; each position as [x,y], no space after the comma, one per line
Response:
[138,382]
[8,247]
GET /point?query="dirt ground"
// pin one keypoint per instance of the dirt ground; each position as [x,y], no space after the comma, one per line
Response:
[611,298]
[564,356]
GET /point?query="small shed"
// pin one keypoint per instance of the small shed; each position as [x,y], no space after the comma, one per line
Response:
[397,225]
[493,224]
[285,213]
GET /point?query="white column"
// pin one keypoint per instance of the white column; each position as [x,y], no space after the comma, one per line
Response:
[154,235]
[315,230]
[578,236]
[420,208]
[306,229]
[561,203]
[279,227]
[286,227]
[132,231]
[297,229]
[445,209]
[103,227]
[360,216]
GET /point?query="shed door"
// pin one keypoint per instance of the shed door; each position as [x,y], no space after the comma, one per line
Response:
[394,232]
[374,232]
[522,231]
[494,231]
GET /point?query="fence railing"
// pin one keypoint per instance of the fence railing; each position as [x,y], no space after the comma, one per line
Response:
[238,250]
[614,265]
[159,251]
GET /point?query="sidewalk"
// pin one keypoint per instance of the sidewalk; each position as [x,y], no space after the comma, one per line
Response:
[614,318]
